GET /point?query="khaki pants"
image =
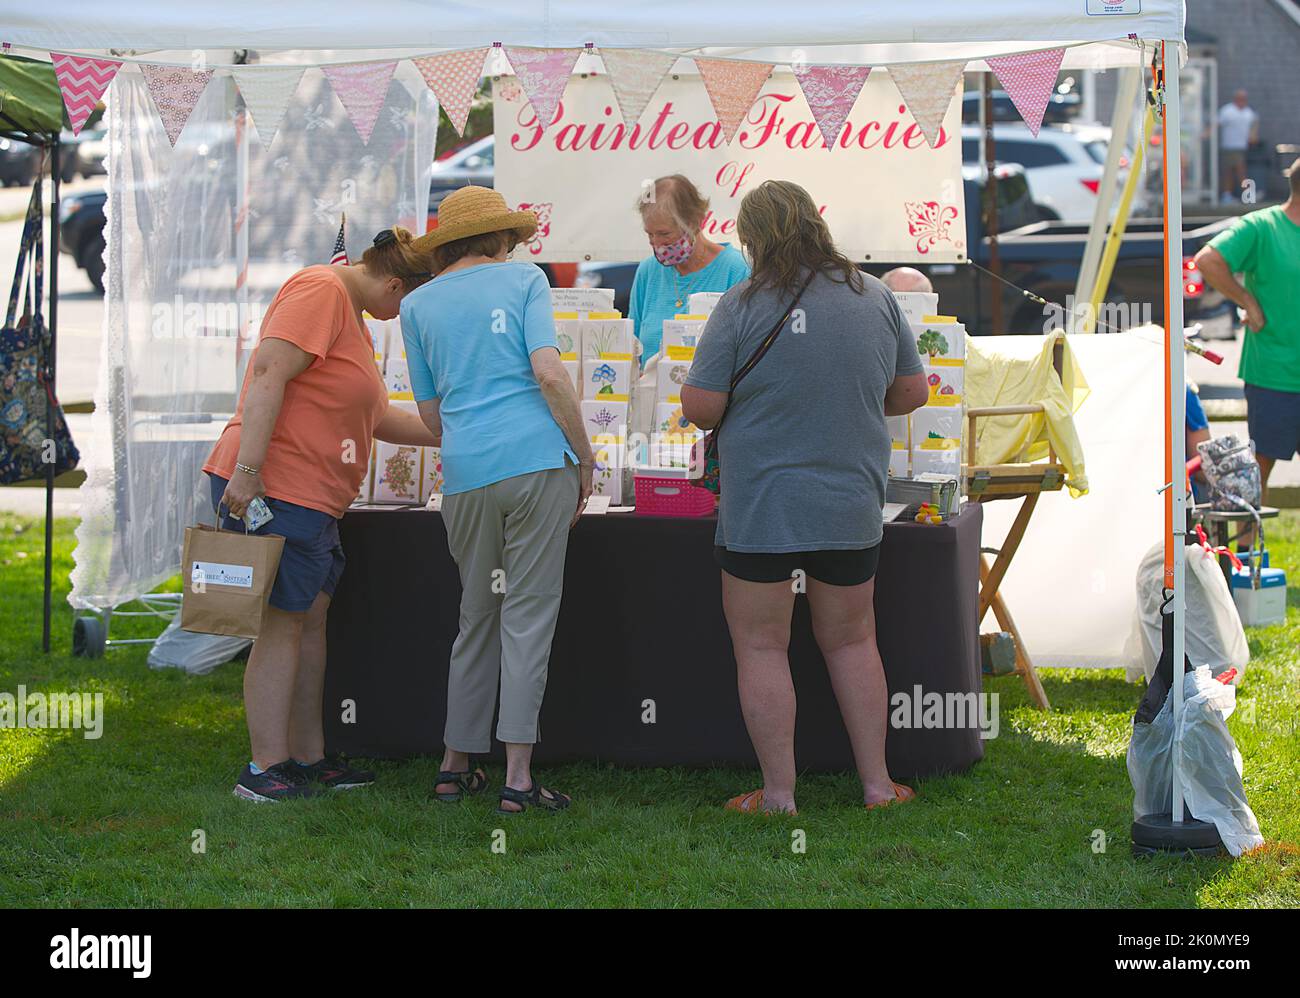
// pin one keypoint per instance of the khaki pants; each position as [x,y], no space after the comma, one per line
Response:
[509,540]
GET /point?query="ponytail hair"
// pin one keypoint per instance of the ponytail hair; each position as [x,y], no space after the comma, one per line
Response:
[398,257]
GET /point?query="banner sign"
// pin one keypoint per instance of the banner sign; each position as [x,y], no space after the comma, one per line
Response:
[886,194]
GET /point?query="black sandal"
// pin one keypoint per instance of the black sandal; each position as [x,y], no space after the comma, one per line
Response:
[533,798]
[467,783]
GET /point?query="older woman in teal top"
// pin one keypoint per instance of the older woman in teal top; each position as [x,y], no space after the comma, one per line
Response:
[684,260]
[517,465]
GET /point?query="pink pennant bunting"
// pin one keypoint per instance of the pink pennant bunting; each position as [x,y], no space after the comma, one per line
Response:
[543,73]
[1029,79]
[635,76]
[362,87]
[175,91]
[733,88]
[82,82]
[831,92]
[453,77]
[928,88]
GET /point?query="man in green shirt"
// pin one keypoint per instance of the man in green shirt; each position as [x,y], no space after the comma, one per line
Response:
[1264,247]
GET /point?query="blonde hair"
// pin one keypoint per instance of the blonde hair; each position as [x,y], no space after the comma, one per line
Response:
[399,258]
[785,234]
[679,199]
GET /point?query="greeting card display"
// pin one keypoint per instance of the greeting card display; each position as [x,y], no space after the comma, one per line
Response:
[674,436]
[397,473]
[431,473]
[946,384]
[899,462]
[397,379]
[935,462]
[937,427]
[568,335]
[604,419]
[940,344]
[916,305]
[610,473]
[602,378]
[605,336]
[573,369]
[899,444]
[672,376]
[582,299]
[702,302]
[683,332]
[367,482]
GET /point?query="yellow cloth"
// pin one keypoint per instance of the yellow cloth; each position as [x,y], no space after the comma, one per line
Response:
[1017,370]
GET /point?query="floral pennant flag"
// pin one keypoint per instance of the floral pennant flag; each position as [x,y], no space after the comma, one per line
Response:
[175,91]
[453,77]
[831,92]
[82,82]
[267,92]
[362,87]
[543,73]
[733,88]
[635,75]
[1029,79]
[927,88]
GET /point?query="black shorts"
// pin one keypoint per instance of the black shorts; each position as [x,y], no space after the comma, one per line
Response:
[835,568]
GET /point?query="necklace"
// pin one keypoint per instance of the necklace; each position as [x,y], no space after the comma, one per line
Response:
[681,295]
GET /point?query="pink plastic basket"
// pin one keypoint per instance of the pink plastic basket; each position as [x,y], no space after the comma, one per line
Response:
[656,496]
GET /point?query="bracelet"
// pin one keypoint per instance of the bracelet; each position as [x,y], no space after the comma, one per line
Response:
[246,469]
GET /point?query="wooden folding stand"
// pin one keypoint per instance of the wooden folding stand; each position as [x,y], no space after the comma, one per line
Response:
[986,483]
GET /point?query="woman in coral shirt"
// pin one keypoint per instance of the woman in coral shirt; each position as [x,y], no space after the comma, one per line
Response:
[300,438]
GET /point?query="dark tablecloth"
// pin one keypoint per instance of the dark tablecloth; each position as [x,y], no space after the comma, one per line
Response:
[642,621]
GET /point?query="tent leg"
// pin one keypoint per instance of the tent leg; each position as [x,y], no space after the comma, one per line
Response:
[55,170]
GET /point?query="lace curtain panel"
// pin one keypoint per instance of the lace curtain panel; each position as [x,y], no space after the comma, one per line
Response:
[182,223]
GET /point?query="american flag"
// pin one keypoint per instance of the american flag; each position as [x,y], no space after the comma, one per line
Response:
[340,249]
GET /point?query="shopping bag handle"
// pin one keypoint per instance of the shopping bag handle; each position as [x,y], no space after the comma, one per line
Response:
[220,518]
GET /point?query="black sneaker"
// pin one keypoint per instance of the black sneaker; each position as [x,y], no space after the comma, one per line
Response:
[283,781]
[333,773]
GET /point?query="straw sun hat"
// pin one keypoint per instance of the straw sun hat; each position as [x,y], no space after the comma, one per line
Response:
[472,211]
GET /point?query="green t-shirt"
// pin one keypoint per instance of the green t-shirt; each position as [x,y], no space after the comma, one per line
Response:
[1265,246]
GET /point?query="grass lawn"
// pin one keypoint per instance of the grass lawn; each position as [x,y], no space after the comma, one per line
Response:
[112,822]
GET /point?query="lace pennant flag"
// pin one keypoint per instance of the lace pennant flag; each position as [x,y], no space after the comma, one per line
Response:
[635,76]
[543,73]
[175,91]
[733,88]
[267,92]
[453,78]
[831,92]
[927,88]
[362,87]
[82,82]
[1029,79]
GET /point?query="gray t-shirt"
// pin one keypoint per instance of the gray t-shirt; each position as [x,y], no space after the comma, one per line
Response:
[804,447]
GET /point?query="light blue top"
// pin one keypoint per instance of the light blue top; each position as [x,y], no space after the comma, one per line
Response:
[656,289]
[469,338]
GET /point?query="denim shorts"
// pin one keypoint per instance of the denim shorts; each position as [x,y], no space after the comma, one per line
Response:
[312,562]
[835,568]
[1274,421]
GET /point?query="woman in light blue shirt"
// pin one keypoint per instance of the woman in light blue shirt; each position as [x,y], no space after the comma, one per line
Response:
[516,463]
[684,260]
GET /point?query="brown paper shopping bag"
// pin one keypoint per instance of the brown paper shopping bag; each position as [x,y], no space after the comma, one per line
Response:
[227,578]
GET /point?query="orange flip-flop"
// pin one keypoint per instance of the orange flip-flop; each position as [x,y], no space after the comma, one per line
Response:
[751,803]
[902,795]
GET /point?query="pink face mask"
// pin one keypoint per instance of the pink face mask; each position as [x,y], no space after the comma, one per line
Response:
[675,253]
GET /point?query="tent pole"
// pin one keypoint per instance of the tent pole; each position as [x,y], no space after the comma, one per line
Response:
[55,170]
[1176,494]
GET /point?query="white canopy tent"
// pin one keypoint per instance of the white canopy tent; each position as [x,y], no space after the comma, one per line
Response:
[1096,33]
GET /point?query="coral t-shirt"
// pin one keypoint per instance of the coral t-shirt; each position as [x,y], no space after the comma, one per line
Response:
[320,446]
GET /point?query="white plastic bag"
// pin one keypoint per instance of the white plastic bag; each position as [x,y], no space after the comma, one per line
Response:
[1211,764]
[1213,632]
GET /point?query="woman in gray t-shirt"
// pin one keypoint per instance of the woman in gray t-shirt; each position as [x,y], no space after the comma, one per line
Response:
[804,460]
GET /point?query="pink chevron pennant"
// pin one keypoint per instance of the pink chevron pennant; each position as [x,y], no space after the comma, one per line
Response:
[453,77]
[82,82]
[175,91]
[635,75]
[543,73]
[362,88]
[831,92]
[928,88]
[1029,79]
[733,87]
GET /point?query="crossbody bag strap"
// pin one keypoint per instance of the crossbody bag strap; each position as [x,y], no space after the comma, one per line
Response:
[763,348]
[24,251]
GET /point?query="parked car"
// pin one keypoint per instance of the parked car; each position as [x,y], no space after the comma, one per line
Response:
[82,154]
[470,164]
[1064,170]
[18,162]
[81,232]
[1061,108]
